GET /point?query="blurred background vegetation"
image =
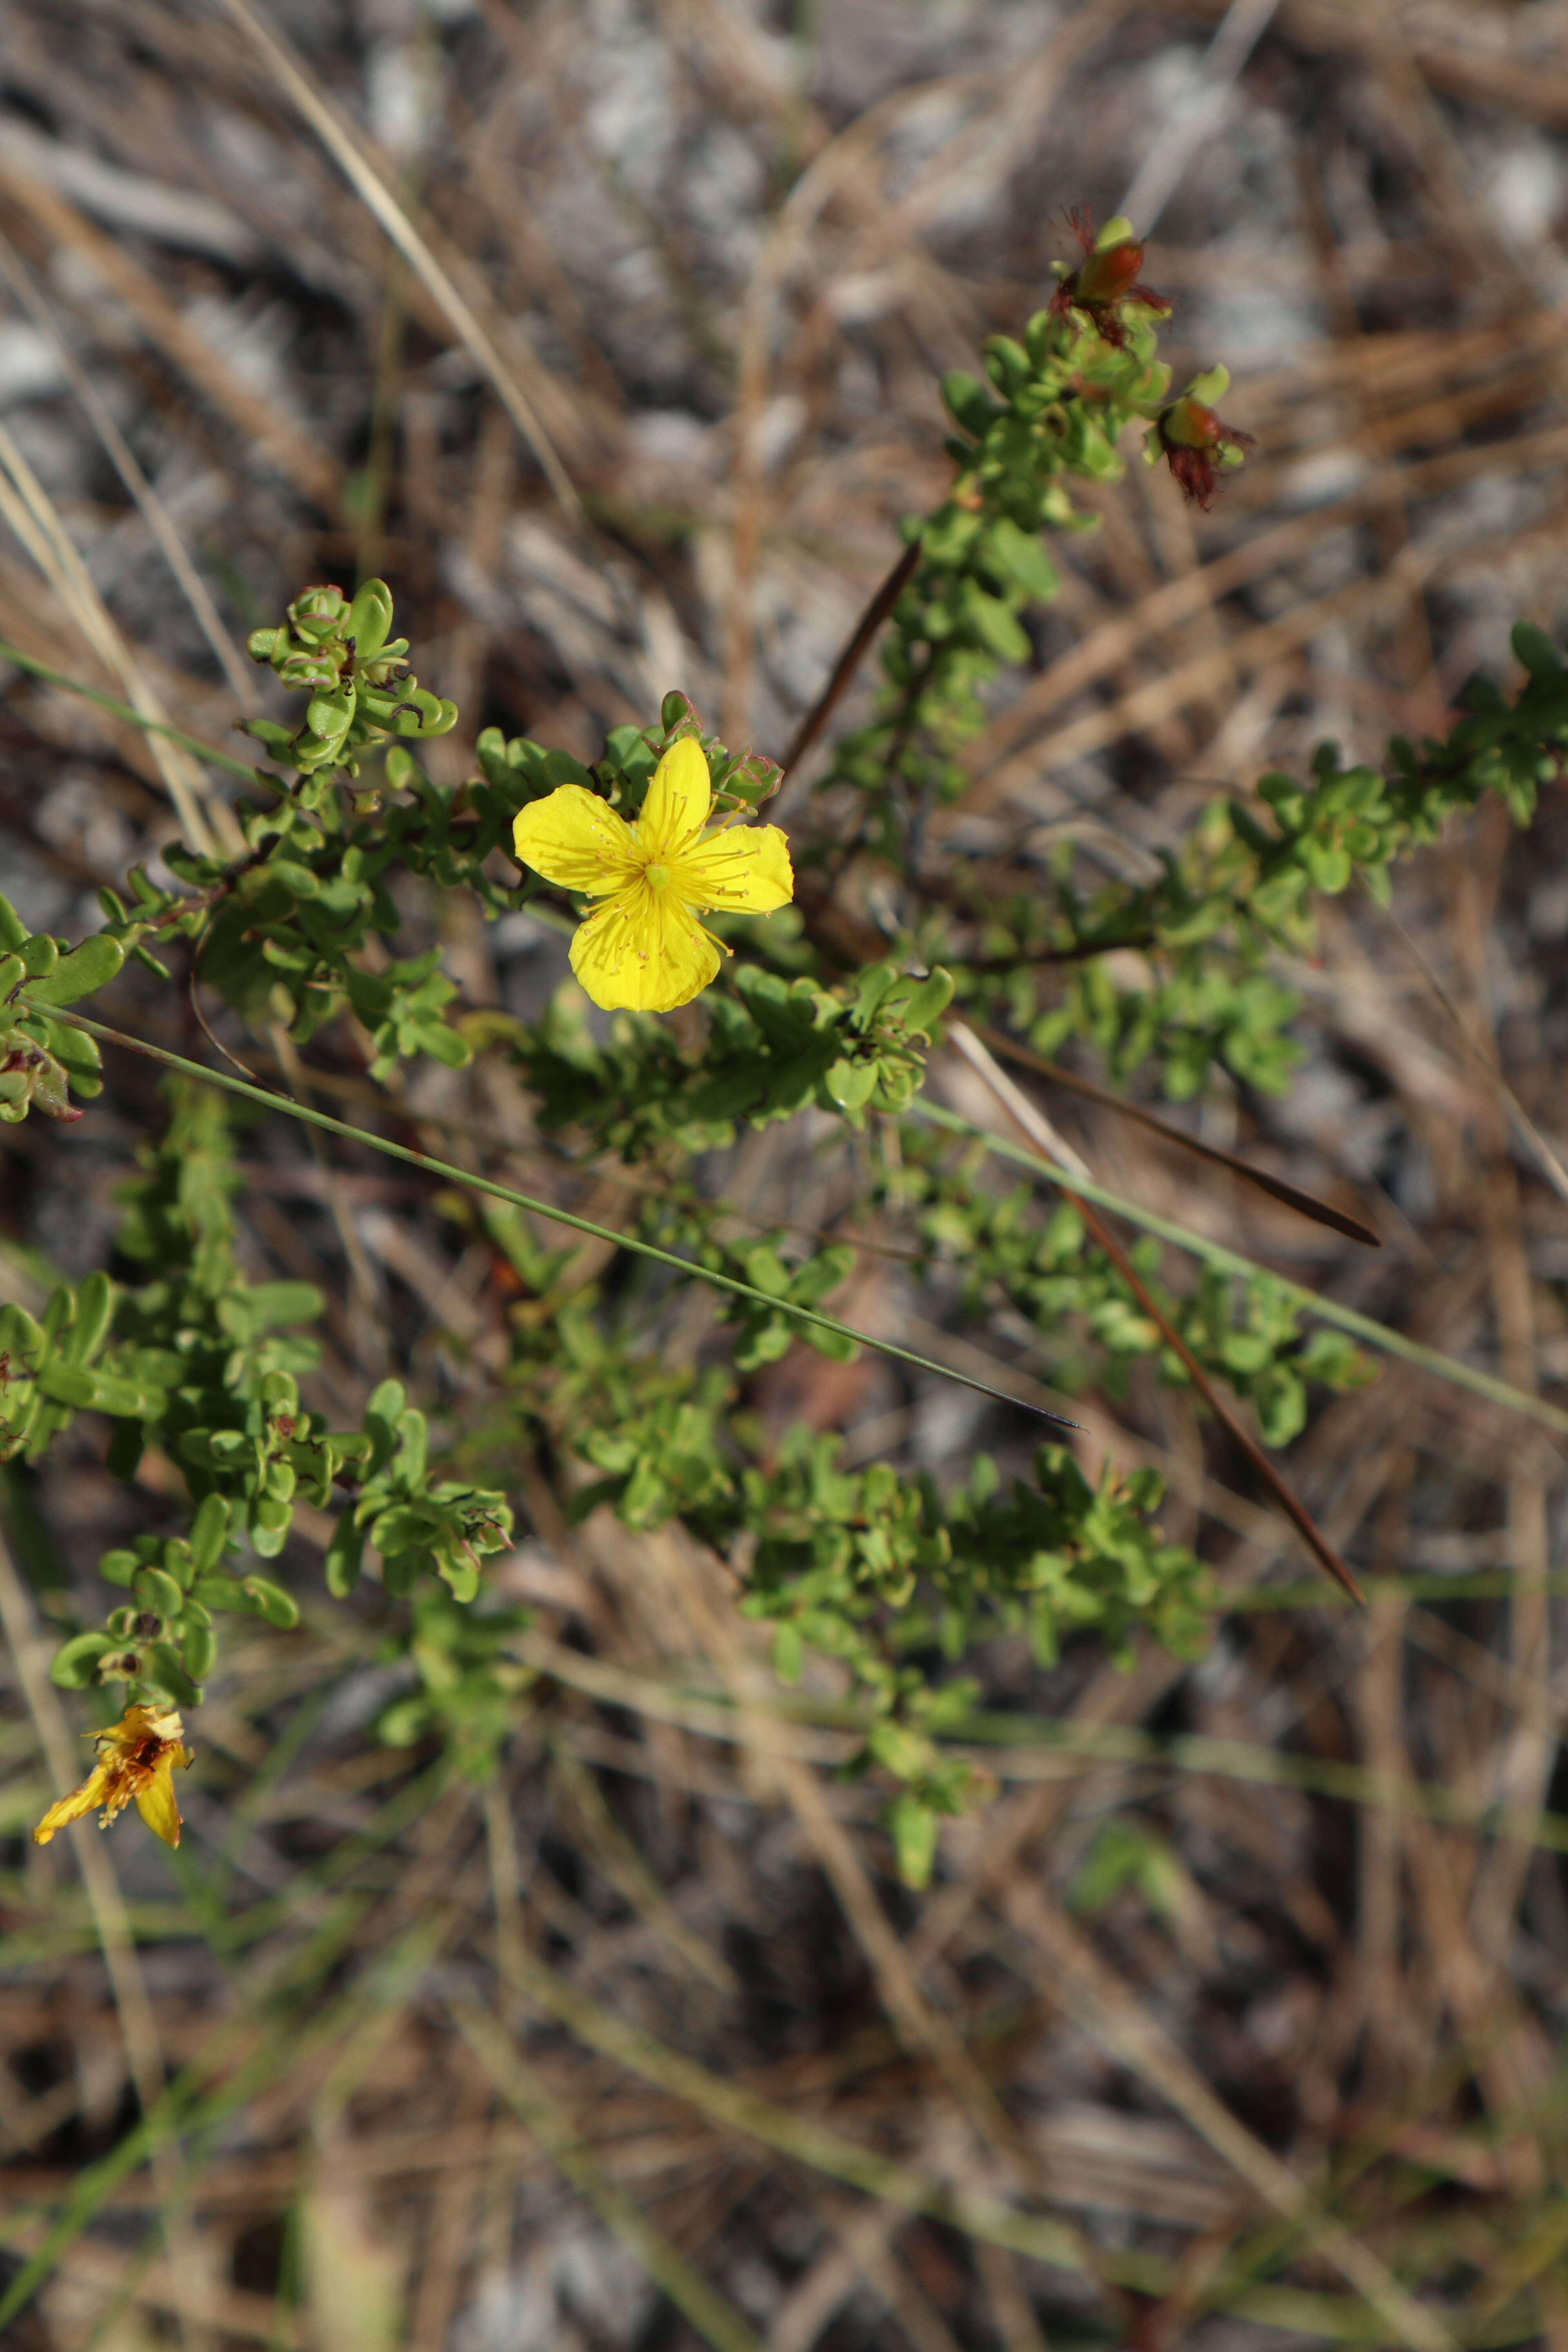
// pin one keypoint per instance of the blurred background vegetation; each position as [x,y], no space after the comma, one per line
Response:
[1237,2016]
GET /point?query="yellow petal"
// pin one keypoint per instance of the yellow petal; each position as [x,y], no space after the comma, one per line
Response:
[678,802]
[92,1791]
[575,840]
[747,867]
[166,1721]
[155,1803]
[644,952]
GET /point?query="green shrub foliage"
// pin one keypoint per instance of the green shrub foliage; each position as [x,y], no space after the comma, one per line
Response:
[893,1577]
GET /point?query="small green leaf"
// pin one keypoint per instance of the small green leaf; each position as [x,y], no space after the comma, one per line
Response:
[369,621]
[343,1557]
[160,1594]
[1212,384]
[461,1575]
[968,399]
[271,1601]
[399,1529]
[789,1652]
[91,1390]
[209,1532]
[198,1651]
[90,966]
[913,1829]
[1022,559]
[925,1006]
[1534,650]
[94,1307]
[74,1666]
[404,1722]
[851,1084]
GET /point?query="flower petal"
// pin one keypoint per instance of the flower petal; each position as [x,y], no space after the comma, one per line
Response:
[745,868]
[679,800]
[644,952]
[575,840]
[155,1803]
[92,1791]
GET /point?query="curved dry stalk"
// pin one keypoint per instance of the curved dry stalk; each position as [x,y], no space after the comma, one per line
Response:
[1305,1204]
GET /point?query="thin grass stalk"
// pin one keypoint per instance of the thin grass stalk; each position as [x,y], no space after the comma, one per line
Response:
[1229,1261]
[715,2320]
[343,146]
[632,1242]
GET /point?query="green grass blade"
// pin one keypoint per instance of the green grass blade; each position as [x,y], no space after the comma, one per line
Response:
[203,2095]
[1311,1302]
[733,2107]
[192,743]
[714,2319]
[443,1168]
[713,1714]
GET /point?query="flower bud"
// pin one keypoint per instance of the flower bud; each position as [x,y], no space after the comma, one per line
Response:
[1194,440]
[1106,274]
[1106,277]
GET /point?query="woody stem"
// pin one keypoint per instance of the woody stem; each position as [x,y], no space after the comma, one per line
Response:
[854,654]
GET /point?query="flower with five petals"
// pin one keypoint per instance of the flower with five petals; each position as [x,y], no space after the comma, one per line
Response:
[642,948]
[136,1758]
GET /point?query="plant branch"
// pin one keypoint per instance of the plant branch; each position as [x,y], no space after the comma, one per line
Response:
[854,654]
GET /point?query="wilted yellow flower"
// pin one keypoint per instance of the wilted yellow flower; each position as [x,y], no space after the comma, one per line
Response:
[136,1757]
[644,948]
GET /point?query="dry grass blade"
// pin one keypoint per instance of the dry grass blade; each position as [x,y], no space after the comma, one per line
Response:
[123,458]
[1113,2013]
[738,2109]
[339,140]
[1321,1212]
[32,518]
[1021,1111]
[1545,1158]
[1197,114]
[292,452]
[715,2321]
[1444,1365]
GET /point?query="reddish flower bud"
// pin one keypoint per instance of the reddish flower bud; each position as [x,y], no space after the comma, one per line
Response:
[1195,441]
[1105,279]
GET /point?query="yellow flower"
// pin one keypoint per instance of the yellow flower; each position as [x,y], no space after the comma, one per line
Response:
[136,1757]
[644,948]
